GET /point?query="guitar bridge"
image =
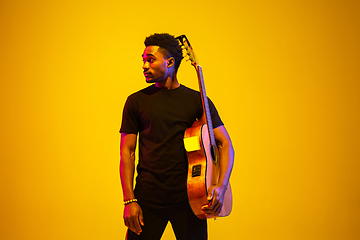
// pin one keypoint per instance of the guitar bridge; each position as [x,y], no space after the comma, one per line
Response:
[196,171]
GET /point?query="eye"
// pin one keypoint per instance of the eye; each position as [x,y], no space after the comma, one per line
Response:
[150,60]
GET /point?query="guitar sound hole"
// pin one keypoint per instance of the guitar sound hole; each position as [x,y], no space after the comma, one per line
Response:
[196,171]
[213,151]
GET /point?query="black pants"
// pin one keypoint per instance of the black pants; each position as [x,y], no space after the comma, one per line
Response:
[185,224]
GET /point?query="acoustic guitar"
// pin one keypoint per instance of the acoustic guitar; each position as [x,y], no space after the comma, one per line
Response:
[202,151]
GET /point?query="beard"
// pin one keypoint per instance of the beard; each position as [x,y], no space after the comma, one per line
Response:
[151,79]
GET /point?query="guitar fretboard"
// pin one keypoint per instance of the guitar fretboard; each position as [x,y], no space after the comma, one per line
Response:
[205,105]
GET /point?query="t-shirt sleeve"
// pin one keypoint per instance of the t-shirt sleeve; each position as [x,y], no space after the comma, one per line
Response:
[216,120]
[129,122]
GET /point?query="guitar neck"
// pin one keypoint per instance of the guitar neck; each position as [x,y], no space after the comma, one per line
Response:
[205,103]
[206,118]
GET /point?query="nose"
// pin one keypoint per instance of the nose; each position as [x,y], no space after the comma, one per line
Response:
[145,65]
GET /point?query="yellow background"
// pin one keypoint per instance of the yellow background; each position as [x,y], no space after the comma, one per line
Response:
[284,76]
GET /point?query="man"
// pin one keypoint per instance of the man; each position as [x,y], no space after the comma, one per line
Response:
[160,114]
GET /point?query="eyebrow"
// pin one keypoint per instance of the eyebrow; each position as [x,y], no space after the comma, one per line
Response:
[147,55]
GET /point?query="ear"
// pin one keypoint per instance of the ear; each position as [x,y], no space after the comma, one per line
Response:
[170,62]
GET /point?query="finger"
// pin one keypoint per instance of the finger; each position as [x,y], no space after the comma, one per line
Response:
[130,225]
[141,219]
[207,209]
[128,222]
[136,231]
[217,209]
[214,201]
[210,195]
[136,224]
[214,207]
[211,205]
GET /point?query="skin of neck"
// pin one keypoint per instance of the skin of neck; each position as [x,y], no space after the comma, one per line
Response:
[171,82]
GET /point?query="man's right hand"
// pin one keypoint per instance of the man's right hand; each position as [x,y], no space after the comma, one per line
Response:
[133,217]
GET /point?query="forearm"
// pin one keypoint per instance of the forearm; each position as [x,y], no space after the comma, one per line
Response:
[226,162]
[127,169]
[127,164]
[226,155]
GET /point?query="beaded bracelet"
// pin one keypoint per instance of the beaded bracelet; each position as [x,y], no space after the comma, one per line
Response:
[130,201]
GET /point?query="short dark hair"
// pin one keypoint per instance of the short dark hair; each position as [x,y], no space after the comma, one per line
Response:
[167,42]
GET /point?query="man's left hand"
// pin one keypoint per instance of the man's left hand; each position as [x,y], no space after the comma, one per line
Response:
[216,199]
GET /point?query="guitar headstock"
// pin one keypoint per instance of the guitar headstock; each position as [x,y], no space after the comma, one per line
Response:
[185,44]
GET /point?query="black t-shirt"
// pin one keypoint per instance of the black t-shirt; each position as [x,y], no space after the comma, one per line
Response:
[161,116]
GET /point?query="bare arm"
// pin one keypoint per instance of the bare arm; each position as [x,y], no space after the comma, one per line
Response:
[133,217]
[227,154]
[217,192]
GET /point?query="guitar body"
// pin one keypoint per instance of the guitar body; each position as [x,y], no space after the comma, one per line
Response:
[202,172]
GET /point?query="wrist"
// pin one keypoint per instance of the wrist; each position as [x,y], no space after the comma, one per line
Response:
[126,202]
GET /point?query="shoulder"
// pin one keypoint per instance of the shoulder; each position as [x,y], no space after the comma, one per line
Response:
[185,88]
[148,90]
[189,91]
[195,93]
[141,93]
